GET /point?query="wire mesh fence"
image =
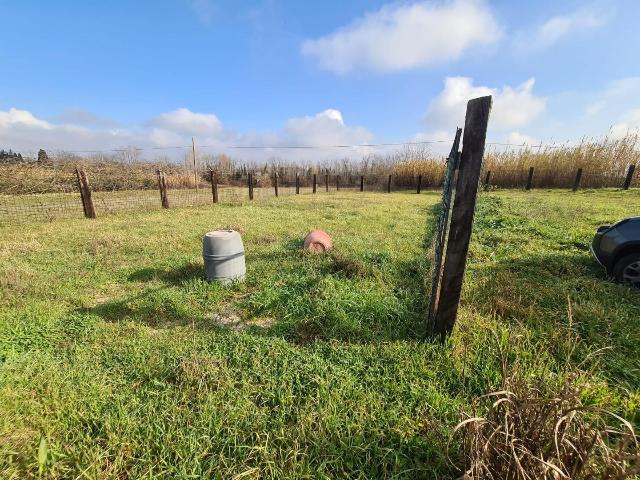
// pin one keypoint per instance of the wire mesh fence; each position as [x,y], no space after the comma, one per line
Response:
[49,191]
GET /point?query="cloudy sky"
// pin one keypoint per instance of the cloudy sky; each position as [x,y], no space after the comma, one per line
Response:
[80,75]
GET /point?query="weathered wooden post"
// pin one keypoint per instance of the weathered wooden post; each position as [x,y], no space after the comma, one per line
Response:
[314,183]
[362,183]
[389,185]
[337,182]
[214,186]
[85,194]
[275,183]
[487,180]
[297,183]
[529,179]
[419,184]
[473,143]
[162,186]
[250,176]
[629,177]
[326,182]
[576,182]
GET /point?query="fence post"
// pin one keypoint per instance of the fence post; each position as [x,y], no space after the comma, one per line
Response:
[314,183]
[576,182]
[629,177]
[487,180]
[362,183]
[473,143]
[250,185]
[162,186]
[529,179]
[297,183]
[214,186]
[326,182]
[275,182]
[85,194]
[419,184]
[389,185]
[337,182]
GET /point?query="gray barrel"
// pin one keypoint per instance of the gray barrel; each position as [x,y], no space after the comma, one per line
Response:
[223,254]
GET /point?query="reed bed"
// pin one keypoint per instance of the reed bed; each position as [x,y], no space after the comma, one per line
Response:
[604,162]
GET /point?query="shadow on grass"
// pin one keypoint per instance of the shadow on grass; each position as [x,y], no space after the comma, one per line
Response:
[169,276]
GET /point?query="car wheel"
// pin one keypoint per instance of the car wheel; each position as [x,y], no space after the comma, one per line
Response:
[627,270]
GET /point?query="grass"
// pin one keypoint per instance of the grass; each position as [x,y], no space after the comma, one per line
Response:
[112,365]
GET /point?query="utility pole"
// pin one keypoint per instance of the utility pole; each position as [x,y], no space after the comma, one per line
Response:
[195,166]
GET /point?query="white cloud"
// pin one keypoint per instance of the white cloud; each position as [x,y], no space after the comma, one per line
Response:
[405,36]
[185,121]
[517,138]
[512,106]
[325,128]
[617,95]
[21,119]
[629,123]
[22,131]
[556,28]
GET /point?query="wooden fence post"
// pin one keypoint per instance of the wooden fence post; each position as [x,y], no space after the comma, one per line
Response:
[576,182]
[250,175]
[473,143]
[487,180]
[314,183]
[362,183]
[85,194]
[389,185]
[214,186]
[419,184]
[337,182]
[297,183]
[162,186]
[629,177]
[275,183]
[326,182]
[529,179]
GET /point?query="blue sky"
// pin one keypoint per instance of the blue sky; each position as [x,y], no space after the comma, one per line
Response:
[99,75]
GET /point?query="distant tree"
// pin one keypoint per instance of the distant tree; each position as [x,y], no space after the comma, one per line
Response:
[42,156]
[10,156]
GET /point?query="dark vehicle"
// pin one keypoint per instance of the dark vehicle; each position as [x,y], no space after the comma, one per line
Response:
[617,248]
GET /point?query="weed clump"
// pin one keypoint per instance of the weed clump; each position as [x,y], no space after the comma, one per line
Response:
[536,428]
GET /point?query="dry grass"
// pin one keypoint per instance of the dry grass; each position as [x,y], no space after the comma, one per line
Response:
[533,431]
[604,162]
[544,427]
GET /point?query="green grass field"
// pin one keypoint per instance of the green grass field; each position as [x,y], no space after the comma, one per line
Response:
[118,360]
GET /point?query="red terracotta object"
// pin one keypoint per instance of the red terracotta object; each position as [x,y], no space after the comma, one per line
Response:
[318,241]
